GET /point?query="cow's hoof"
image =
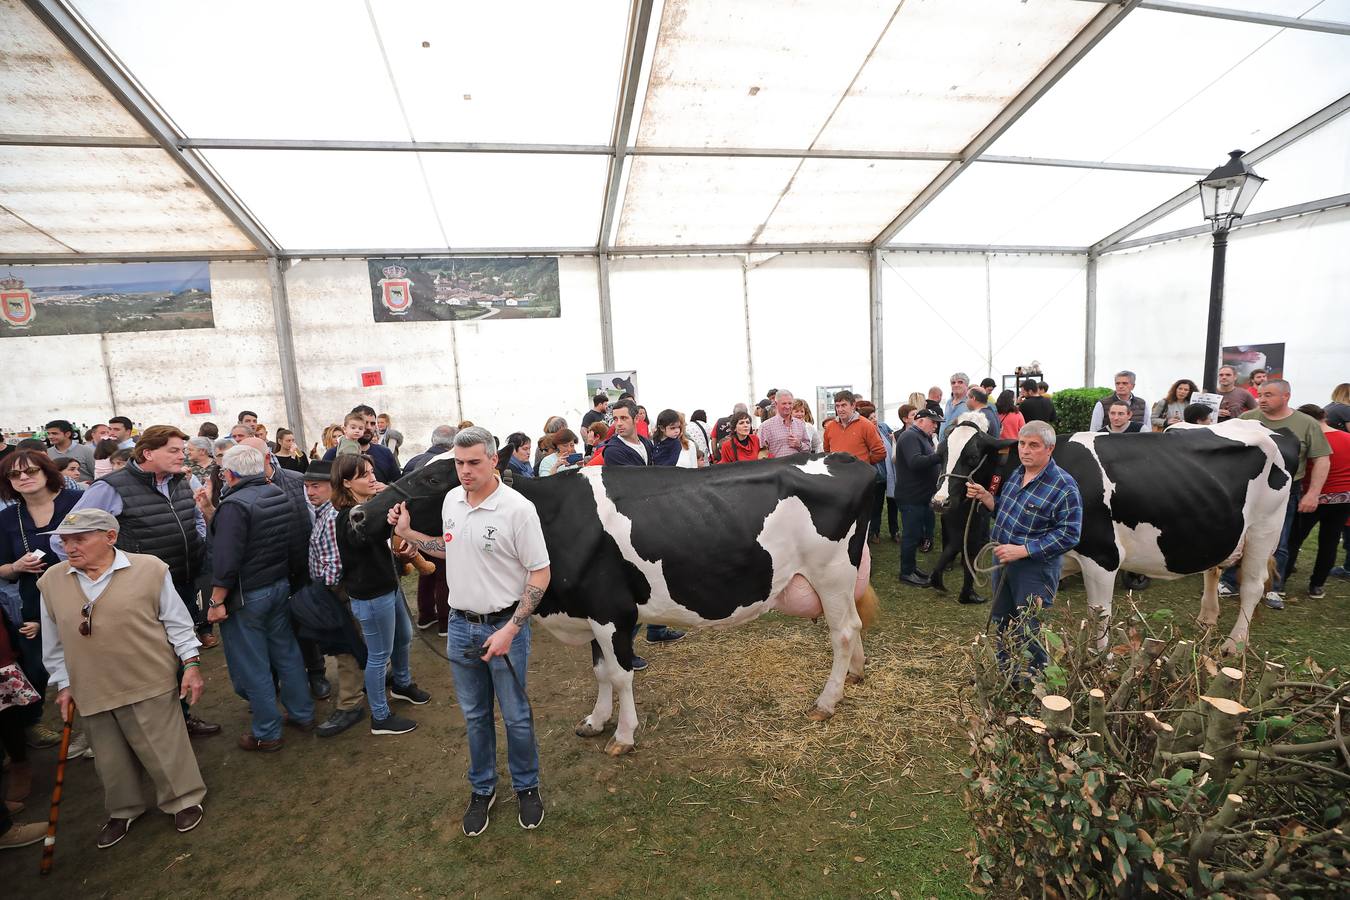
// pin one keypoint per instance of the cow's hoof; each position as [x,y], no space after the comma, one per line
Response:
[614,748]
[586,729]
[850,678]
[819,715]
[1204,624]
[1230,648]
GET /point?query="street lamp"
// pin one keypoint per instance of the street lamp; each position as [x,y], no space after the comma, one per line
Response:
[1225,195]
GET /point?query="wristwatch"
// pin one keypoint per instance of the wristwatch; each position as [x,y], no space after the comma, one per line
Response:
[215,603]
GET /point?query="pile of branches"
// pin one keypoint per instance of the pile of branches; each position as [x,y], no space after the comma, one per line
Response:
[1157,768]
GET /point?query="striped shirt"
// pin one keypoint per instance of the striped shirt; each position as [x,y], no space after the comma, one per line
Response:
[325,563]
[775,433]
[1045,515]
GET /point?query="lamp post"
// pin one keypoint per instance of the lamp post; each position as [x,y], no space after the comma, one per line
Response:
[1225,195]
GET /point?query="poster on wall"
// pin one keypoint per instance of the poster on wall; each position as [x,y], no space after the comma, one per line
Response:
[1246,358]
[825,400]
[611,383]
[91,299]
[458,290]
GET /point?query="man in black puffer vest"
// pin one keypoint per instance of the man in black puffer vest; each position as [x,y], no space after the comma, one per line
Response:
[250,590]
[158,512]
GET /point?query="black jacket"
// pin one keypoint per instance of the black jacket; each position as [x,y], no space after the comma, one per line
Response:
[916,468]
[368,569]
[163,527]
[249,542]
[421,459]
[301,523]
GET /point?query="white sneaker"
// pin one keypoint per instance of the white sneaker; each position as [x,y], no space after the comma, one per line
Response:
[79,747]
[1274,600]
[1225,590]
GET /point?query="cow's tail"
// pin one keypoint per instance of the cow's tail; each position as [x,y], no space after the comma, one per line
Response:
[869,607]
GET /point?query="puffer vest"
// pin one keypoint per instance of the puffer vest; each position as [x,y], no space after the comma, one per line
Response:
[162,527]
[267,552]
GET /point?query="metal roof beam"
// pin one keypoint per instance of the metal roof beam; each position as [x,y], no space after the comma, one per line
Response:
[1269,148]
[395,146]
[434,252]
[984,248]
[1270,215]
[1242,15]
[1088,164]
[1066,59]
[38,259]
[69,140]
[71,31]
[639,26]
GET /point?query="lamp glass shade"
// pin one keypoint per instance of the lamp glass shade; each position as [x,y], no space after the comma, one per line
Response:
[1229,190]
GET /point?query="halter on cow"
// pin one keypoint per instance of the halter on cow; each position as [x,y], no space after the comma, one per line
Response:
[1185,501]
[701,547]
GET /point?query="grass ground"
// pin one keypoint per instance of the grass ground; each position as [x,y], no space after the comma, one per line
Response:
[687,815]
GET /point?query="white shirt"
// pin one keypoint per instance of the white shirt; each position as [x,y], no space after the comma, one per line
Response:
[688,457]
[639,448]
[172,614]
[490,549]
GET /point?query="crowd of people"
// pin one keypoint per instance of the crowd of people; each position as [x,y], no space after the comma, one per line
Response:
[123,552]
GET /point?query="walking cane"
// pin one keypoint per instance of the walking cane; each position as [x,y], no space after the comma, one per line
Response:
[49,844]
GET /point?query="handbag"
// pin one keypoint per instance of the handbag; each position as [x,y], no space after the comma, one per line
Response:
[15,689]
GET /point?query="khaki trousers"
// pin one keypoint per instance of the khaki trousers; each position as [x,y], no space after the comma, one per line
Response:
[350,679]
[148,737]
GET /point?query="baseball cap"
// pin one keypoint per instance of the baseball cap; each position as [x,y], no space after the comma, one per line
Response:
[928,413]
[82,520]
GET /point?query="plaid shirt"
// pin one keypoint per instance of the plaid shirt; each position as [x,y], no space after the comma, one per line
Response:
[325,564]
[1045,515]
[774,435]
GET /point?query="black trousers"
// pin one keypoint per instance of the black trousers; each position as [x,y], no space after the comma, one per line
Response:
[1329,518]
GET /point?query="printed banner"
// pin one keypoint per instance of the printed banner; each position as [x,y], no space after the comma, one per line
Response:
[98,298]
[457,290]
[1246,358]
[612,383]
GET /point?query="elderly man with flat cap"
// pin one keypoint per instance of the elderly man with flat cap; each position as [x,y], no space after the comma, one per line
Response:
[114,631]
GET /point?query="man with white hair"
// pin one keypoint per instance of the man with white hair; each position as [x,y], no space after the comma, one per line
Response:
[956,404]
[114,636]
[783,434]
[1037,519]
[250,578]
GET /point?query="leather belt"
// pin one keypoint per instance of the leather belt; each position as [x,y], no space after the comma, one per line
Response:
[474,618]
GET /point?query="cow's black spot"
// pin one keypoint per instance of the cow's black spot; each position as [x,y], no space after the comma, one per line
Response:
[1098,542]
[1277,478]
[1190,484]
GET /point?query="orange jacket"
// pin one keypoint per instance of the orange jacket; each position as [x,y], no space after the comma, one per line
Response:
[860,437]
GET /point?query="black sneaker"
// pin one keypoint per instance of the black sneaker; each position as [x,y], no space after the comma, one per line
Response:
[391,724]
[531,808]
[1317,591]
[476,816]
[340,721]
[410,692]
[639,664]
[663,635]
[913,579]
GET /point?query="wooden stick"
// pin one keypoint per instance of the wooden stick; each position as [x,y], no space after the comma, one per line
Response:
[1057,711]
[1221,734]
[49,844]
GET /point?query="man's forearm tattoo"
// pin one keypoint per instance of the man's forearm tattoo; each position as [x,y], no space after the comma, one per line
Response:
[436,544]
[529,602]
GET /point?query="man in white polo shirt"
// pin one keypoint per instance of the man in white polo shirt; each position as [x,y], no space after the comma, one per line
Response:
[497,568]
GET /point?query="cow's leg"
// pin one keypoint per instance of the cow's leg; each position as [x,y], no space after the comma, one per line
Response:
[621,646]
[1209,599]
[594,724]
[1252,573]
[1099,583]
[836,598]
[855,664]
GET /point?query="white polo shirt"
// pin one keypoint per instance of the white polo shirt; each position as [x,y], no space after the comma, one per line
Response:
[490,549]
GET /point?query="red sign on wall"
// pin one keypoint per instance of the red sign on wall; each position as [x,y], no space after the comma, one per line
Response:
[200,406]
[372,377]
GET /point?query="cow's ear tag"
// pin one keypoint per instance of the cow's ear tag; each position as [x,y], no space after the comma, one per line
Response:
[995,485]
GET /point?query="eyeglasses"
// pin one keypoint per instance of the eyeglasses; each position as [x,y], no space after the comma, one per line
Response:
[32,471]
[87,626]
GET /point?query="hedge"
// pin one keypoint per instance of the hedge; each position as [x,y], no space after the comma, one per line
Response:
[1073,407]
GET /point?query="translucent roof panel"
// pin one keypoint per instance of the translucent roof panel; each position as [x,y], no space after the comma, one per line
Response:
[17,236]
[527,72]
[1208,86]
[45,90]
[255,68]
[991,203]
[699,200]
[930,86]
[845,200]
[851,75]
[103,200]
[465,200]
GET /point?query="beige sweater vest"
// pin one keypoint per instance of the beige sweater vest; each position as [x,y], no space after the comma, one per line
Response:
[126,657]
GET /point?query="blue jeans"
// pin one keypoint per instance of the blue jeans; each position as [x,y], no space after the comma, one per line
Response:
[258,639]
[1016,583]
[476,682]
[388,632]
[912,521]
[1229,577]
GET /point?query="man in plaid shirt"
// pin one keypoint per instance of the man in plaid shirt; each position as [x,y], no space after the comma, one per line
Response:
[783,435]
[1037,519]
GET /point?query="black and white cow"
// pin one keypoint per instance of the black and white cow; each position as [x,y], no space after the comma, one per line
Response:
[1184,501]
[965,526]
[684,547]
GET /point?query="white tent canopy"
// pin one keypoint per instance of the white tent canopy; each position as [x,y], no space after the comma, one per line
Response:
[314,129]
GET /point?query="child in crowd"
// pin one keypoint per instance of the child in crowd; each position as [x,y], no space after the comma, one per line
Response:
[353,428]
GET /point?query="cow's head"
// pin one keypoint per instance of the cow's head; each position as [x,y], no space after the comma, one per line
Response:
[968,451]
[423,490]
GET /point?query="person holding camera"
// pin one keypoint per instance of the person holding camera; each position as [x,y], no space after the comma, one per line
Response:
[498,567]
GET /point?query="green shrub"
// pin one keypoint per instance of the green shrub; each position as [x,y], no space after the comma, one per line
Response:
[1073,407]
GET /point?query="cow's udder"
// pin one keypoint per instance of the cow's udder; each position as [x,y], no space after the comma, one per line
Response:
[798,599]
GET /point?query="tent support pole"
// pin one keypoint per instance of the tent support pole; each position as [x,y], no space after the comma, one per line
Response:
[606,314]
[290,381]
[878,342]
[1090,324]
